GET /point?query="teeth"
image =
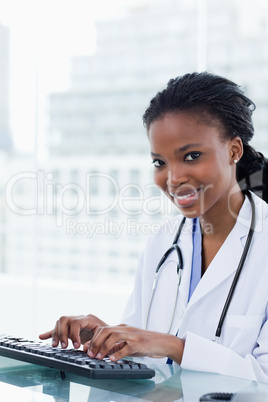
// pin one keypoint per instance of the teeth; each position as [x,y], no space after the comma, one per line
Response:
[182,197]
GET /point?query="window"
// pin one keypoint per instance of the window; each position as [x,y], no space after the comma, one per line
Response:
[72,140]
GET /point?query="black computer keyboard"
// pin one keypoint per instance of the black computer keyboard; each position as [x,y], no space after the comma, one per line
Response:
[71,360]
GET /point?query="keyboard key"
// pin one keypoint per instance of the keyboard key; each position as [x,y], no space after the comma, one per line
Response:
[49,353]
[106,366]
[80,361]
[115,366]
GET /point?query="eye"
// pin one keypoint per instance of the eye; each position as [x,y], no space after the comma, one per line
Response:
[158,163]
[192,156]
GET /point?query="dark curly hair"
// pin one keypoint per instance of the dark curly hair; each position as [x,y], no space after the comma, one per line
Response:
[220,101]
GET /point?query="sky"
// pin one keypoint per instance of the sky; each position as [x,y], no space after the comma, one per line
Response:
[44,35]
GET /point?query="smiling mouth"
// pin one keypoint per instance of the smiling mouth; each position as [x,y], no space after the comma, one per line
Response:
[184,195]
[185,198]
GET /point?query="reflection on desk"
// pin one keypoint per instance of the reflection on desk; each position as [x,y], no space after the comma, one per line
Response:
[11,393]
[169,384]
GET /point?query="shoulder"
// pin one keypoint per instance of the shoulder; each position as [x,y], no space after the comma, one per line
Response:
[261,210]
[260,233]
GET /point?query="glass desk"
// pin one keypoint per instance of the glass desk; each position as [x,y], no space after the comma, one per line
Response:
[28,382]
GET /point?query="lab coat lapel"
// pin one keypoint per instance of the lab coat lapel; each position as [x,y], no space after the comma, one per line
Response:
[227,259]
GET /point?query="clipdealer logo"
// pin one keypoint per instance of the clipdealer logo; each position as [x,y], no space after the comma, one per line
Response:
[100,195]
[87,210]
[114,229]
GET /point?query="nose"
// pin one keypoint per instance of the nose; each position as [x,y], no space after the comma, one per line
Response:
[176,175]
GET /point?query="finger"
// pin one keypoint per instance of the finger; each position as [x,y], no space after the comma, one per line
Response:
[105,342]
[86,346]
[55,338]
[123,352]
[46,335]
[61,332]
[98,341]
[82,329]
[77,331]
[116,347]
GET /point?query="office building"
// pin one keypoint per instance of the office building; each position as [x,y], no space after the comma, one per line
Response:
[138,53]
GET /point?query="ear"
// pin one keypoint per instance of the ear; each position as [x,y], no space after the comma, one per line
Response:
[236,149]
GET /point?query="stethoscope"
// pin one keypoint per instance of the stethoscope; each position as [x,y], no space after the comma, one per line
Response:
[176,248]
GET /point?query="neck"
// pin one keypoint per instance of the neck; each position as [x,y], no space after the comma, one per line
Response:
[218,223]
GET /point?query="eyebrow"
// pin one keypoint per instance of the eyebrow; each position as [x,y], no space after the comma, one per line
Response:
[181,149]
[187,146]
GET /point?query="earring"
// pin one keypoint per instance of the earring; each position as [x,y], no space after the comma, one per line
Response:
[235,160]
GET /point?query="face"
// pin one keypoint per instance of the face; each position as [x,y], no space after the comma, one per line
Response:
[193,164]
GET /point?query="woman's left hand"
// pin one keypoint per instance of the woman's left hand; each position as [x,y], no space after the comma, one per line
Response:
[122,340]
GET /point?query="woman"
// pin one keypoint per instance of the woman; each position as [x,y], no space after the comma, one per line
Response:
[198,128]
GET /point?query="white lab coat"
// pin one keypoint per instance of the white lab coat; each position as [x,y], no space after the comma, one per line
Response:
[242,350]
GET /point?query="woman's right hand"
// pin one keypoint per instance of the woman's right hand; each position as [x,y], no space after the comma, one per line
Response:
[80,329]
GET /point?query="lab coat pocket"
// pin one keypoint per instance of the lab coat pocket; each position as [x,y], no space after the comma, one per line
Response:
[240,332]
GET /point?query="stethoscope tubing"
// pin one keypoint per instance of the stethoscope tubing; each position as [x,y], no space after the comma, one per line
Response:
[179,272]
[239,268]
[180,268]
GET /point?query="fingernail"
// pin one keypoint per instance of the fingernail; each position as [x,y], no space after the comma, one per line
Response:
[99,356]
[90,353]
[63,344]
[54,343]
[76,345]
[112,357]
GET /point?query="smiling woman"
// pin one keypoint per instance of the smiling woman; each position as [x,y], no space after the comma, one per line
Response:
[198,128]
